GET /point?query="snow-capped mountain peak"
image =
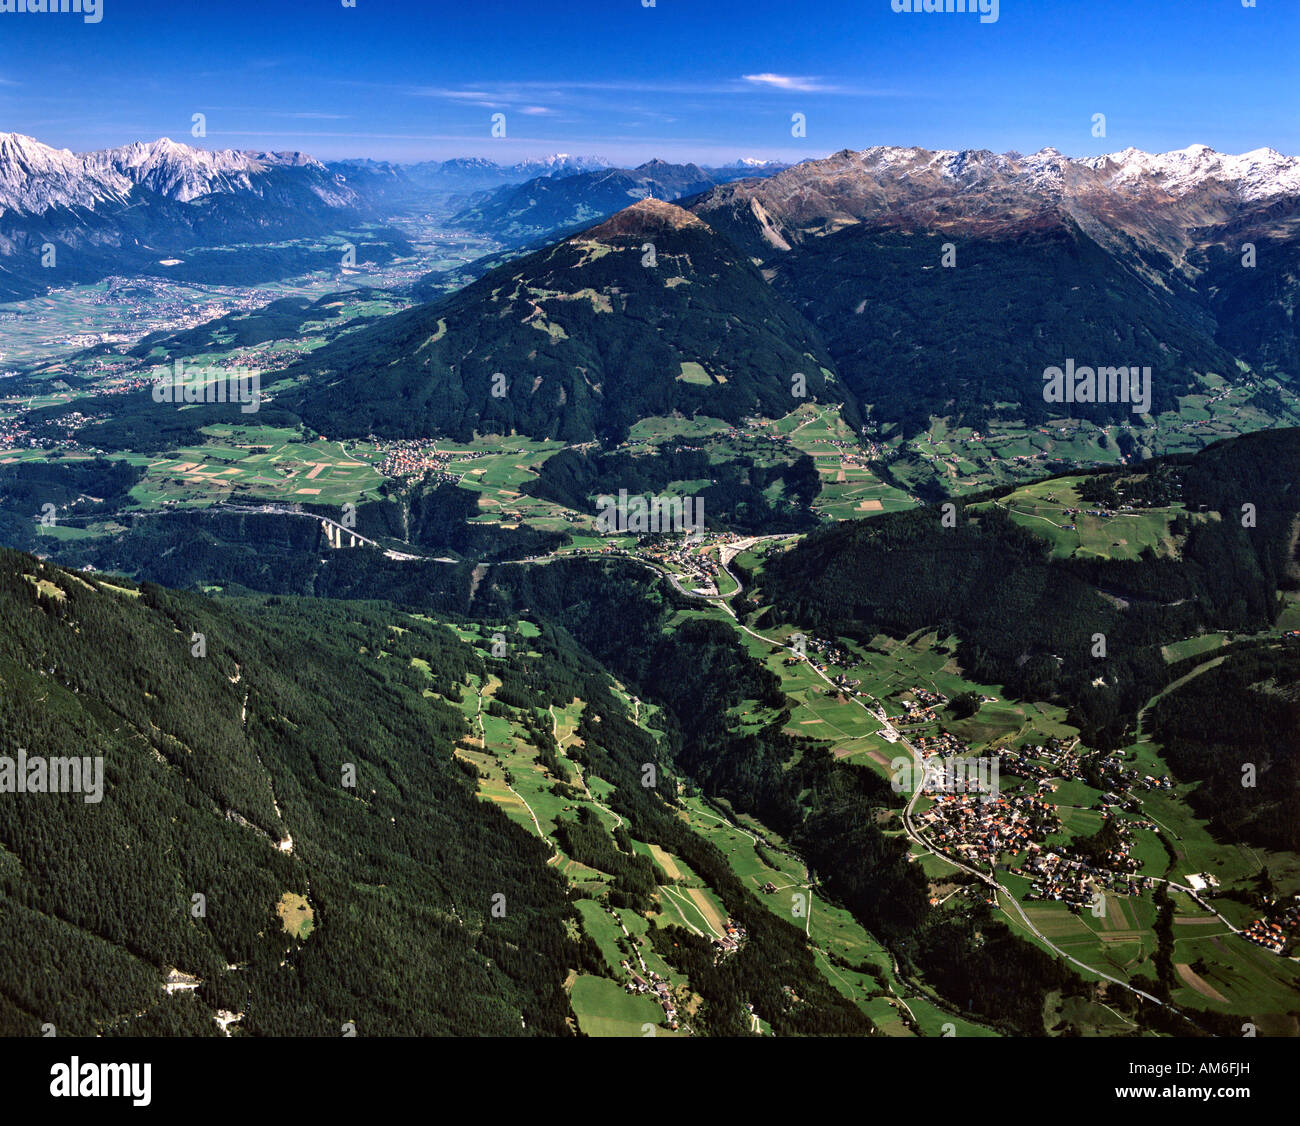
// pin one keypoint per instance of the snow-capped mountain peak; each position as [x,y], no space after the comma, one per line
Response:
[1259,174]
[560,164]
[175,170]
[35,178]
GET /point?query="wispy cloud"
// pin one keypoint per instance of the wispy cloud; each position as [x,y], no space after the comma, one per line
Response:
[516,93]
[789,82]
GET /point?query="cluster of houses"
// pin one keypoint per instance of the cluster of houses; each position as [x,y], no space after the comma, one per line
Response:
[698,571]
[1088,512]
[826,655]
[1019,761]
[156,305]
[647,981]
[59,432]
[980,828]
[976,830]
[1057,758]
[119,376]
[1275,931]
[1061,759]
[829,654]
[941,743]
[13,434]
[733,934]
[1269,935]
[1058,876]
[760,428]
[857,455]
[929,699]
[414,458]
[655,986]
[919,706]
[1121,780]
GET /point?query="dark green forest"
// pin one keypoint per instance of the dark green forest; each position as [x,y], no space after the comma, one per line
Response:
[734,499]
[1236,728]
[399,868]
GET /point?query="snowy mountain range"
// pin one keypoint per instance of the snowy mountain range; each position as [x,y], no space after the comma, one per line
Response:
[35,178]
[913,184]
[120,209]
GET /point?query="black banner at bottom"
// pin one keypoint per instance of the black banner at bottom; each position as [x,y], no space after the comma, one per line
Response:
[346,1074]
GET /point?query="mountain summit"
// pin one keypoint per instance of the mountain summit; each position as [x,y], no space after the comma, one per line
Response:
[644,219]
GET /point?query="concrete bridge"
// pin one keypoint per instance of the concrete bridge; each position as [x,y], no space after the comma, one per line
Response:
[339,536]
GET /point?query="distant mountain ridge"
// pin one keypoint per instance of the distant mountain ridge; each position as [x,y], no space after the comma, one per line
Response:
[124,210]
[474,174]
[1182,261]
[1160,200]
[67,218]
[543,205]
[555,205]
[35,178]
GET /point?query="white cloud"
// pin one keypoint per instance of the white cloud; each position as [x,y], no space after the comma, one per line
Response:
[787,82]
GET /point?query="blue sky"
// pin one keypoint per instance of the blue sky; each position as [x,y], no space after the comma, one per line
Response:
[708,80]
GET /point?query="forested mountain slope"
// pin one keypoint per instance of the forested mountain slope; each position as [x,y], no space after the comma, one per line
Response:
[646,314]
[1030,620]
[212,766]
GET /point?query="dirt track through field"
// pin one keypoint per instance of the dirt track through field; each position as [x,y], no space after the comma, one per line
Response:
[1203,987]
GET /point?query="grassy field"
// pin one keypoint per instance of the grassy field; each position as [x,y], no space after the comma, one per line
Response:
[692,372]
[603,1008]
[261,463]
[1041,507]
[1290,616]
[496,468]
[296,915]
[1225,974]
[1193,647]
[851,488]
